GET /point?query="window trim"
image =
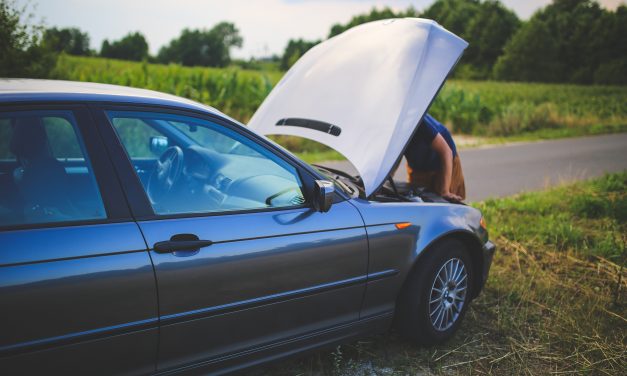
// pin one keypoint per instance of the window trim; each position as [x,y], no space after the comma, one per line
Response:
[138,199]
[111,193]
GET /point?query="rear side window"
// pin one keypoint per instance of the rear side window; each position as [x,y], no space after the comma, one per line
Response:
[45,175]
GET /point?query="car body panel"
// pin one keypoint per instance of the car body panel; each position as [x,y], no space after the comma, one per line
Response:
[400,249]
[122,354]
[67,285]
[44,243]
[47,91]
[363,92]
[288,347]
[274,267]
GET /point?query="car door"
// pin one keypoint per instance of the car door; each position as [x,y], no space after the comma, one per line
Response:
[77,288]
[241,257]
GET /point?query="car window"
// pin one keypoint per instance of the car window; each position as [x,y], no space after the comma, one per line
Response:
[45,175]
[134,132]
[199,166]
[215,140]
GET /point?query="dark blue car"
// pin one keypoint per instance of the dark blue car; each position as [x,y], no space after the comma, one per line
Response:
[142,233]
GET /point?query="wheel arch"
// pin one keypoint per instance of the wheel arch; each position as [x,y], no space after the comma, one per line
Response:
[474,247]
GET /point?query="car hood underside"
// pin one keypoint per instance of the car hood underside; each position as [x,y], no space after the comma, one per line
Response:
[363,92]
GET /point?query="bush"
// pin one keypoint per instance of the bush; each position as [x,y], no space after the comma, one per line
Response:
[21,54]
[590,206]
[512,120]
[612,183]
[613,72]
[543,116]
[462,110]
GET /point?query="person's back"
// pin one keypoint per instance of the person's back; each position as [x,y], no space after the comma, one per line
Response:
[433,161]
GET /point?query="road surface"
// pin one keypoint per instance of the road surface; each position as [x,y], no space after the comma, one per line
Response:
[499,171]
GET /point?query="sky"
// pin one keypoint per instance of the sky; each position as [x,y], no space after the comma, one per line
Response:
[265,25]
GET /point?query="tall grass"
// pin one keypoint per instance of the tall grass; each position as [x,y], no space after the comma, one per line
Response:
[234,91]
[504,109]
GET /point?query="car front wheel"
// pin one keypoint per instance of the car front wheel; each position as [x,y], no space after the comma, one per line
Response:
[436,295]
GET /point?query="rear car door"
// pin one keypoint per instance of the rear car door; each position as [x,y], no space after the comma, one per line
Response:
[241,258]
[77,288]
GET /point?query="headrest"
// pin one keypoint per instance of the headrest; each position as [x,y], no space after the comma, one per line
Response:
[29,137]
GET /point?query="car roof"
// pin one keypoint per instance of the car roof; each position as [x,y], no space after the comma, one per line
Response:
[34,90]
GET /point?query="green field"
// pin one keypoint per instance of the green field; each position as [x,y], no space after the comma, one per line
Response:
[554,302]
[495,111]
[233,91]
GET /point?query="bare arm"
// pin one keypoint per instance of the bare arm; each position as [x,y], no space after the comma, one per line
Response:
[446,157]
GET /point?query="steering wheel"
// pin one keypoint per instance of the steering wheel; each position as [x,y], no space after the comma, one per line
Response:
[281,193]
[166,174]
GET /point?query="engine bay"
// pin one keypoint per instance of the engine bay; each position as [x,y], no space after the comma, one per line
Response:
[390,191]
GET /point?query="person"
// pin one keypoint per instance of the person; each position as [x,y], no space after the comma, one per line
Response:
[433,162]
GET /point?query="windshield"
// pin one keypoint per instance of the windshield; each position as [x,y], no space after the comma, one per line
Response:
[215,140]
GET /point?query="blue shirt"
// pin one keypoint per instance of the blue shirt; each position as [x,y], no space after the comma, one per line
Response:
[420,155]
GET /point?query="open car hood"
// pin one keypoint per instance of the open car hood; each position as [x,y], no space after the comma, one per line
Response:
[363,92]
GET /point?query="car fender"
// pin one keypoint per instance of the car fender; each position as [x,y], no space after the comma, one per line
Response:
[395,251]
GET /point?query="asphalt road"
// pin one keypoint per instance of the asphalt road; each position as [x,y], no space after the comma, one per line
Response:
[499,171]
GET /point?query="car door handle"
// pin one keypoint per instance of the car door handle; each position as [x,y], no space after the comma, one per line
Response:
[181,242]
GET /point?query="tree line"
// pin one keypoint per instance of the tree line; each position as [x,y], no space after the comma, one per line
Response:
[572,41]
[30,50]
[198,47]
[568,41]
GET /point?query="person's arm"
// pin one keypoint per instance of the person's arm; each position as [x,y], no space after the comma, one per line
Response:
[445,153]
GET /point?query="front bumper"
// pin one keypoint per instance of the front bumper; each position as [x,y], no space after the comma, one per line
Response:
[488,250]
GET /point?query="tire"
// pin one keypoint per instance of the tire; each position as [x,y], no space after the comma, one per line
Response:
[419,300]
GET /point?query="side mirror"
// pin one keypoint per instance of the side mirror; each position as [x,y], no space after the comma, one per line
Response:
[158,144]
[324,192]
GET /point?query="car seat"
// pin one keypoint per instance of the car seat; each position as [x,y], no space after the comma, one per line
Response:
[41,179]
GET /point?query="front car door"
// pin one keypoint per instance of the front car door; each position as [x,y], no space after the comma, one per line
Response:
[77,288]
[241,258]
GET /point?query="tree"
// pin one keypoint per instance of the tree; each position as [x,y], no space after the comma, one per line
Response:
[69,40]
[374,15]
[294,50]
[488,32]
[487,26]
[21,55]
[455,15]
[612,68]
[531,55]
[133,46]
[587,44]
[297,47]
[203,47]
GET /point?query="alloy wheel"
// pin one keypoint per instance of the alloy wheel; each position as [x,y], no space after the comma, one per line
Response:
[448,294]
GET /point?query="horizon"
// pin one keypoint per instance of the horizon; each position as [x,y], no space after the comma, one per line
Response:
[263,36]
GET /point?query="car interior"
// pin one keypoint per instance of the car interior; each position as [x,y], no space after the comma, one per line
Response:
[44,175]
[188,165]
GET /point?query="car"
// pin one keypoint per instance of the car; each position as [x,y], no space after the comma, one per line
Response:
[143,233]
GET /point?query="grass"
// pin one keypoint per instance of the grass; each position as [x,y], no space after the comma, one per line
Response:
[504,109]
[554,302]
[315,156]
[236,92]
[495,112]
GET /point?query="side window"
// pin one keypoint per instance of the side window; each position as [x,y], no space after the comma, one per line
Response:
[134,133]
[201,167]
[45,175]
